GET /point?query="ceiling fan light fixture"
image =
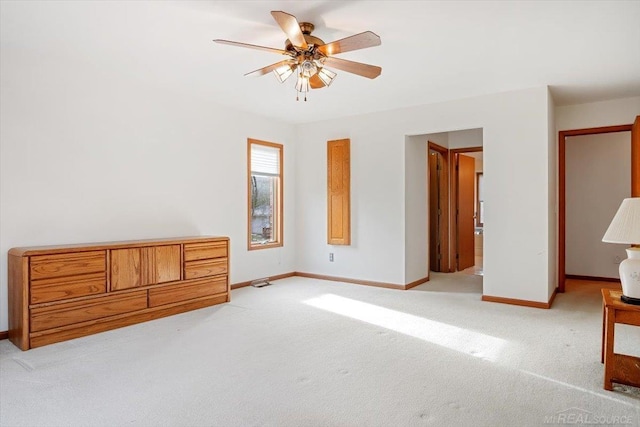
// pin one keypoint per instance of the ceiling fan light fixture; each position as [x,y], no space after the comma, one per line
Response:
[283,73]
[308,68]
[302,85]
[307,55]
[326,76]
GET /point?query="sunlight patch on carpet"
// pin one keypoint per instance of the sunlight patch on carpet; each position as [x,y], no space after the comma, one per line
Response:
[605,395]
[475,344]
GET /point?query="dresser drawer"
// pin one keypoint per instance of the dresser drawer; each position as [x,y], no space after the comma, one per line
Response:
[59,288]
[71,264]
[187,291]
[54,316]
[206,267]
[198,251]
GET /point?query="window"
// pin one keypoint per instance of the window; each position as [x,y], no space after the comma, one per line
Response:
[265,194]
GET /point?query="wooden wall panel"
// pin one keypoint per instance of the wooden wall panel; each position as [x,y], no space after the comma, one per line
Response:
[339,192]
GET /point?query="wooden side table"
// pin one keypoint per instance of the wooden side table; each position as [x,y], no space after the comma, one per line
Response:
[618,368]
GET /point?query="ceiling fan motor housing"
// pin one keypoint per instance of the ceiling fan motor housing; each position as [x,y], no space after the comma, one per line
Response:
[306,28]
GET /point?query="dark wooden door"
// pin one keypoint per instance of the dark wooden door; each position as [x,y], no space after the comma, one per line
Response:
[434,212]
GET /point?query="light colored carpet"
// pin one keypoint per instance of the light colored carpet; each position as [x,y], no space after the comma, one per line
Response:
[306,352]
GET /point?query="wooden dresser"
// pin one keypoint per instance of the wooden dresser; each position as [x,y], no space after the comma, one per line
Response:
[58,293]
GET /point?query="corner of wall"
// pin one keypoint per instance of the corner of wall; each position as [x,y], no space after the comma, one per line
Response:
[553,194]
[416,245]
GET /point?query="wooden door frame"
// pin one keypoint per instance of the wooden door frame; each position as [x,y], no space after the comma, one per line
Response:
[635,184]
[445,257]
[478,175]
[454,201]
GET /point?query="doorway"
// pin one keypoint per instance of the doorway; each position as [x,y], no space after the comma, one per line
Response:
[455,206]
[635,181]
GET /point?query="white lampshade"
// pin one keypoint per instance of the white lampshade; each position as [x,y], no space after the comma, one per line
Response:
[302,85]
[625,227]
[283,73]
[326,76]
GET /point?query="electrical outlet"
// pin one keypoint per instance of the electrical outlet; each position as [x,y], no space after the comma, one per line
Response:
[330,256]
[617,260]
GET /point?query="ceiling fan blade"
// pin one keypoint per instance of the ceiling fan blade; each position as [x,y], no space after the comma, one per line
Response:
[364,70]
[291,28]
[316,82]
[253,46]
[358,41]
[269,68]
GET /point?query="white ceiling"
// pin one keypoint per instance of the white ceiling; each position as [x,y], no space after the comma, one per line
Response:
[430,52]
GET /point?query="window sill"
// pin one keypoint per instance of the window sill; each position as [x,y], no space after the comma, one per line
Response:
[254,247]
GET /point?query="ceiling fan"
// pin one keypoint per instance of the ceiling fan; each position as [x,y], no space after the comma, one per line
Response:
[308,56]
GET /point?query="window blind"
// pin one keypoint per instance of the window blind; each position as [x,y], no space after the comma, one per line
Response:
[265,160]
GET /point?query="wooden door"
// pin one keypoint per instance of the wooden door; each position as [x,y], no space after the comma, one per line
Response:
[126,269]
[439,255]
[465,179]
[434,213]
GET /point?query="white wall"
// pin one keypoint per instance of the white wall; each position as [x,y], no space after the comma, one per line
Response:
[552,153]
[377,201]
[89,156]
[598,177]
[416,209]
[440,138]
[515,133]
[466,138]
[596,114]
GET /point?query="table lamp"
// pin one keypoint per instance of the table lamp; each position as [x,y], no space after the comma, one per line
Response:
[625,228]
